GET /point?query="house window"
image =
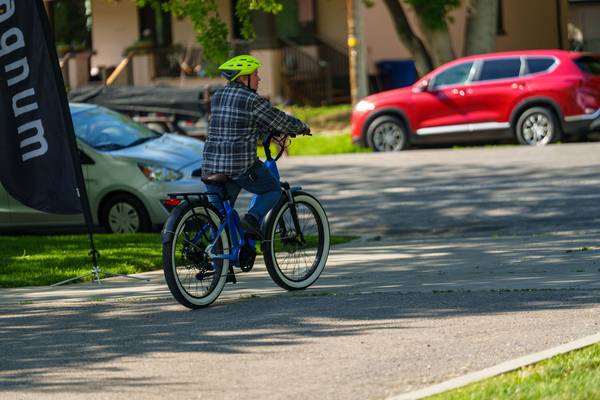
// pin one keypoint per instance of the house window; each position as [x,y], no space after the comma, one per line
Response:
[155,26]
[500,19]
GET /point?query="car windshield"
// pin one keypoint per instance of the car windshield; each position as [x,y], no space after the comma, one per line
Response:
[108,130]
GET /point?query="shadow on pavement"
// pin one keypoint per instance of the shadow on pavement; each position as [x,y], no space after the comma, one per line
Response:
[36,340]
[450,197]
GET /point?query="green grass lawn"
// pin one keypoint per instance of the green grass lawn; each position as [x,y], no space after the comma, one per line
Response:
[316,145]
[319,144]
[313,115]
[44,260]
[571,376]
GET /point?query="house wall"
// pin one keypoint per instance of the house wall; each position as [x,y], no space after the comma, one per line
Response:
[530,24]
[114,27]
[331,22]
[534,24]
[586,17]
[382,40]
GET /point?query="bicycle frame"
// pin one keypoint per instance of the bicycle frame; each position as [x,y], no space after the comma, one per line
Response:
[237,235]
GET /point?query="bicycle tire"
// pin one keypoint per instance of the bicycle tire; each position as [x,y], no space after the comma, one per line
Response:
[186,263]
[282,252]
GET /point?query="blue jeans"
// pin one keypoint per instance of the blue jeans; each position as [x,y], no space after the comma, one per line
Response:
[258,180]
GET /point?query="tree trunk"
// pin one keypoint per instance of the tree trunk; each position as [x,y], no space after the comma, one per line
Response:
[440,44]
[413,43]
[481,27]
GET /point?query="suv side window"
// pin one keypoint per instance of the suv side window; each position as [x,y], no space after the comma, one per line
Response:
[535,65]
[453,76]
[500,69]
[589,64]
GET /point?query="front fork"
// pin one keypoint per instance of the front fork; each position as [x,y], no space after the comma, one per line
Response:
[292,205]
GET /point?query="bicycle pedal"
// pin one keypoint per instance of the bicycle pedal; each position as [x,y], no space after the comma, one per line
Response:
[231,276]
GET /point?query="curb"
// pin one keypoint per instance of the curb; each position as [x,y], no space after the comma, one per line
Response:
[498,369]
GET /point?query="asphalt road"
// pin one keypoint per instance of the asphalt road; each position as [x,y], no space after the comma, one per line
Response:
[475,256]
[498,190]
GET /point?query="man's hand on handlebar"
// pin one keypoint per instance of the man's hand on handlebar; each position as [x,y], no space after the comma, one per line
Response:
[305,132]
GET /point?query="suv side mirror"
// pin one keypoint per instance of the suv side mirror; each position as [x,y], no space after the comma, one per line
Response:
[422,86]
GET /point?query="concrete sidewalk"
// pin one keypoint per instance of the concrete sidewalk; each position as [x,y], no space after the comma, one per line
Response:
[561,260]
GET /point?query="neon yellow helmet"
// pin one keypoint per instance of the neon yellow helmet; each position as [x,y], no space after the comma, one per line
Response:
[238,66]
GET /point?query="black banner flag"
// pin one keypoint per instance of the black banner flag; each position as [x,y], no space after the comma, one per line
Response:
[37,143]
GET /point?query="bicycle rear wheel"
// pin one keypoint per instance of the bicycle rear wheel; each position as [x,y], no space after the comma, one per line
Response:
[295,262]
[195,278]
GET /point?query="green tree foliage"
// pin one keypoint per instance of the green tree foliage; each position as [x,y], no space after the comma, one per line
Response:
[70,23]
[433,14]
[211,30]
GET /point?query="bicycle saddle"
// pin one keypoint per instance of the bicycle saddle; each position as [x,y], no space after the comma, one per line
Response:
[214,179]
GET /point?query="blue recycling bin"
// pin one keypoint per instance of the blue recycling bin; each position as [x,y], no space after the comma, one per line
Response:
[396,73]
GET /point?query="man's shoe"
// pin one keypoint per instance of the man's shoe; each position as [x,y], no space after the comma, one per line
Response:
[230,276]
[251,227]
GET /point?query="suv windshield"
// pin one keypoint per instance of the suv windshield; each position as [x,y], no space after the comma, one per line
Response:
[589,64]
[108,130]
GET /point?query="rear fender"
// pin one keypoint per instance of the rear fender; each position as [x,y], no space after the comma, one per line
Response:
[166,235]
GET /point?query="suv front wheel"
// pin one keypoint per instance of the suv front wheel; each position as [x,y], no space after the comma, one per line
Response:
[537,126]
[387,133]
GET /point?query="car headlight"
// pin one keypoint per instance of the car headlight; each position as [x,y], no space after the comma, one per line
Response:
[364,105]
[160,174]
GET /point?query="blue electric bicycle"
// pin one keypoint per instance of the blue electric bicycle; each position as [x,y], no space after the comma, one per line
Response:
[203,244]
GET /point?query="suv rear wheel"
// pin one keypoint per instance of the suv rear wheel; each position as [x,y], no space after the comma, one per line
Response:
[537,126]
[387,133]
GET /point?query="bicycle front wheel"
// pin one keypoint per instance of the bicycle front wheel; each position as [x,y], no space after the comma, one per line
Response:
[194,276]
[295,261]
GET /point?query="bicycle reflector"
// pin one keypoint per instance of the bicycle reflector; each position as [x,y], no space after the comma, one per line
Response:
[170,204]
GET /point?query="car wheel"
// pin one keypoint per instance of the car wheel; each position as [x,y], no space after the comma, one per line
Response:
[124,213]
[537,126]
[387,133]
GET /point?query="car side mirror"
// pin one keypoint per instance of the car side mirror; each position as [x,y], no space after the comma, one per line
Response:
[84,159]
[422,86]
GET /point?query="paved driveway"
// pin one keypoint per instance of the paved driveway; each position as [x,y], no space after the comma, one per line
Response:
[498,191]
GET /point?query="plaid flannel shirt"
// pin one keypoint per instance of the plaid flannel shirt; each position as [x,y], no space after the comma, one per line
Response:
[239,117]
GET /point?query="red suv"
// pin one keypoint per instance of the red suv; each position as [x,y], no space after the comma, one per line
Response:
[533,96]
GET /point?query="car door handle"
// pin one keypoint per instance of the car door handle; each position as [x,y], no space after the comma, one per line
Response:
[519,86]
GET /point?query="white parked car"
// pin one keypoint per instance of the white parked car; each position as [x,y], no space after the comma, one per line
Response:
[128,170]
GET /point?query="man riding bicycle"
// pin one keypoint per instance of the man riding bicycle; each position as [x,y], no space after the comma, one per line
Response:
[239,117]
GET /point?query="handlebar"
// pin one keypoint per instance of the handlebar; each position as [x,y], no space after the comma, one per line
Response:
[281,142]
